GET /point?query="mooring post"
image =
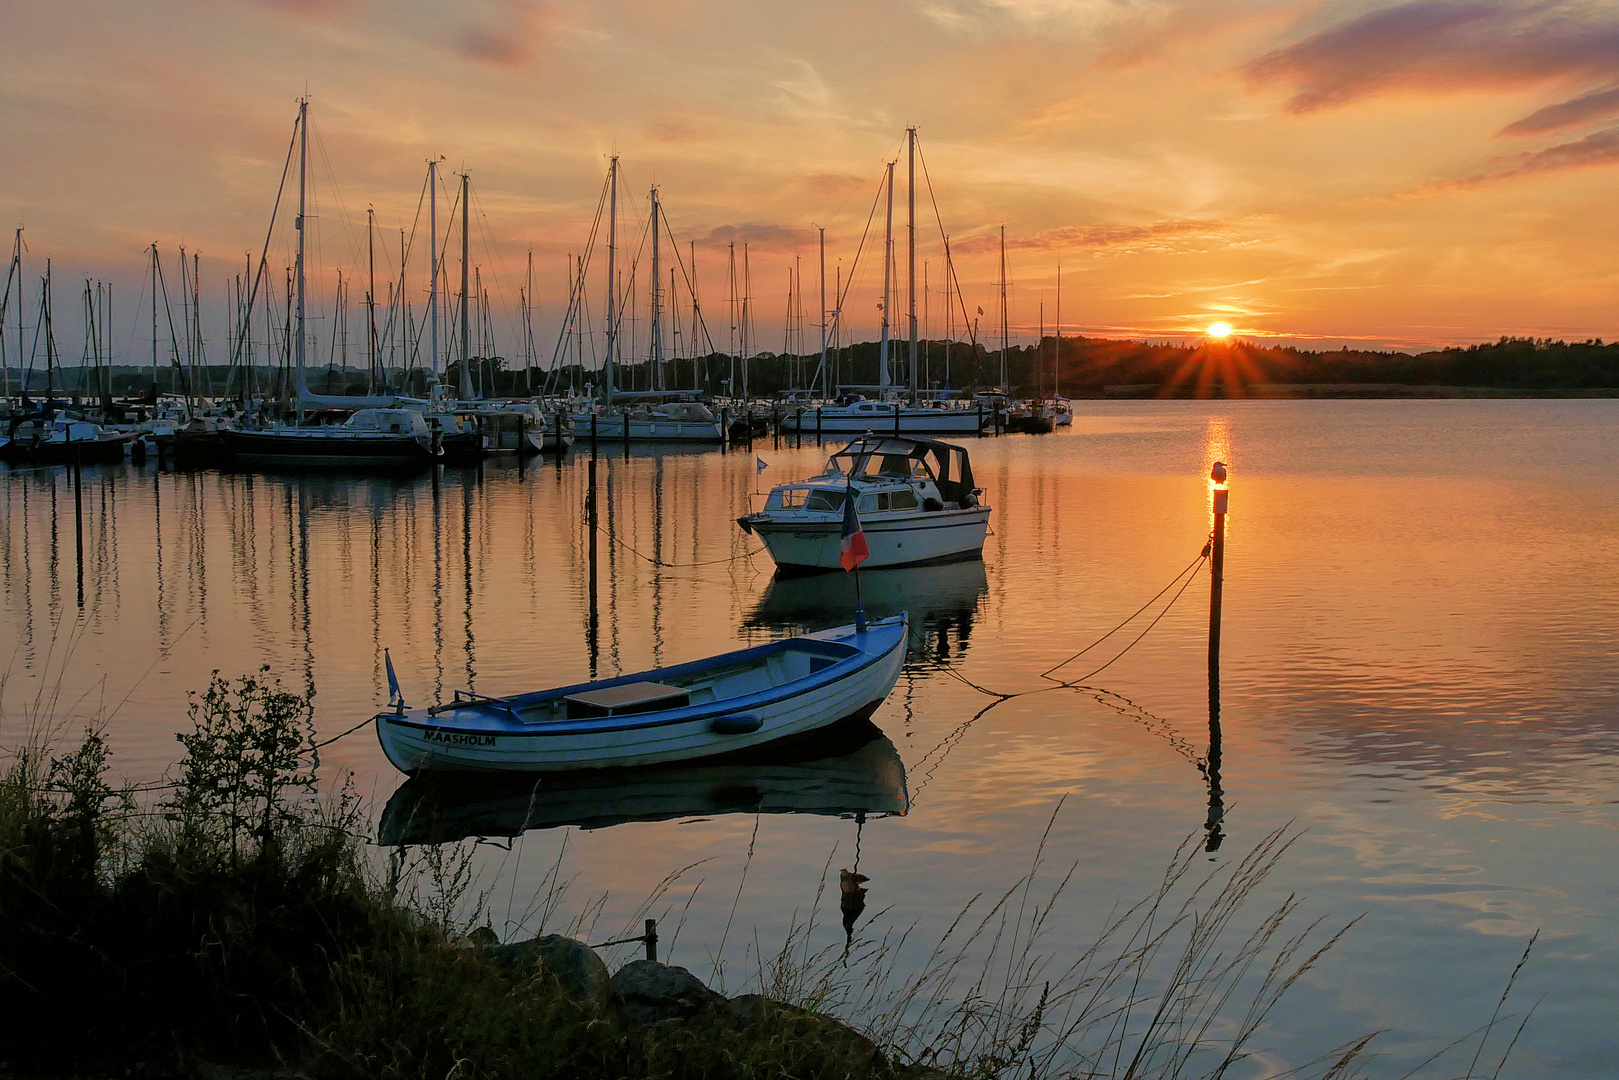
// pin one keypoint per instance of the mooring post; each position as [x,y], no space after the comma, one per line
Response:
[593,434]
[1213,825]
[798,428]
[725,429]
[817,425]
[652,940]
[1221,495]
[775,426]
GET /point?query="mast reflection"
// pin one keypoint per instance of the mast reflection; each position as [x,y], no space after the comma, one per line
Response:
[943,601]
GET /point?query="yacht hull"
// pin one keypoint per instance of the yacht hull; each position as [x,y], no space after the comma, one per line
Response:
[609,428]
[880,421]
[809,546]
[289,450]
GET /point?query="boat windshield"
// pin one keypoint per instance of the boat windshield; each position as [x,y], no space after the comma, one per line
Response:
[879,466]
[805,499]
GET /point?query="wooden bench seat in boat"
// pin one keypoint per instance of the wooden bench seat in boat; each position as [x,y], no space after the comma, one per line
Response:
[629,698]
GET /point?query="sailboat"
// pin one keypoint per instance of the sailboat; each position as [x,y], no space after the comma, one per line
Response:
[888,414]
[648,416]
[379,435]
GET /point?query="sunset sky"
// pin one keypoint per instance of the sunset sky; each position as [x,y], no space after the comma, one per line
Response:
[1390,175]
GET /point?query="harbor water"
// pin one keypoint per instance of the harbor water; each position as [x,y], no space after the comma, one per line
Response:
[1419,681]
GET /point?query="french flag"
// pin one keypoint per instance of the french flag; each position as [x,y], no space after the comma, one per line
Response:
[852,546]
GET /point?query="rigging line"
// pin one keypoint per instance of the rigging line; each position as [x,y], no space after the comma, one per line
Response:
[564,334]
[1133,616]
[949,263]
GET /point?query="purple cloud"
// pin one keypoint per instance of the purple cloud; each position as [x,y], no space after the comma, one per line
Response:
[761,235]
[512,44]
[1444,45]
[1597,105]
[1598,148]
[1156,236]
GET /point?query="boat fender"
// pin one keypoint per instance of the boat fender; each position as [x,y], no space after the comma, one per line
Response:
[747,526]
[969,500]
[932,505]
[736,724]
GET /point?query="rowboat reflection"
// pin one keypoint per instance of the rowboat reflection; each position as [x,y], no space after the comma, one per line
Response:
[942,601]
[852,770]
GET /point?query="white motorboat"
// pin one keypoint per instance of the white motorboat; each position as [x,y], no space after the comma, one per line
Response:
[917,504]
[674,421]
[728,704]
[887,417]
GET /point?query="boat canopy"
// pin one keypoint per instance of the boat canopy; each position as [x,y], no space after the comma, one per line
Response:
[895,456]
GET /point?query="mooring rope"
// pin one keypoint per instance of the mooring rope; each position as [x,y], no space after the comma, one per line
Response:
[678,566]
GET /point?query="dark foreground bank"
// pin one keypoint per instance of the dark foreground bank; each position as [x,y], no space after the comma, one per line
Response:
[229,923]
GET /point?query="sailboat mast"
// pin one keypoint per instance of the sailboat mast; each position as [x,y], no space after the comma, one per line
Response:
[612,282]
[823,313]
[298,272]
[465,388]
[1056,358]
[528,325]
[432,258]
[1005,329]
[910,258]
[371,296]
[888,279]
[50,337]
[657,315]
[699,378]
[154,314]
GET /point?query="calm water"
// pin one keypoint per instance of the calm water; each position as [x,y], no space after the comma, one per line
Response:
[1419,673]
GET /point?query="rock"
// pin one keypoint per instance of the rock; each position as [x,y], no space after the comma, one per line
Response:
[574,964]
[836,1040]
[646,991]
[744,1009]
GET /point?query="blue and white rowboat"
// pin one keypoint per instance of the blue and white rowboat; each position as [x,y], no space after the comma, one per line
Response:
[724,705]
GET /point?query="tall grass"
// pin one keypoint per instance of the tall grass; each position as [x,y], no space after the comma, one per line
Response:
[233,916]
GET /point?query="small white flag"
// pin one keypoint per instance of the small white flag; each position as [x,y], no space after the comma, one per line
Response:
[760,465]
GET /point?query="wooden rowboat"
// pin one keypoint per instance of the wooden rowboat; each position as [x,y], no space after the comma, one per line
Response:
[721,706]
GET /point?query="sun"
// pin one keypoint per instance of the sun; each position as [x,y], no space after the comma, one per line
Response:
[1219,330]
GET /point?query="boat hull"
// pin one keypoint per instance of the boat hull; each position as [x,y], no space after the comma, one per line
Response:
[609,428]
[287,450]
[881,422]
[489,739]
[103,451]
[806,547]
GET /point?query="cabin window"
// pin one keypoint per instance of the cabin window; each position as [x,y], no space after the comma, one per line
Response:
[902,500]
[882,500]
[868,504]
[790,499]
[824,500]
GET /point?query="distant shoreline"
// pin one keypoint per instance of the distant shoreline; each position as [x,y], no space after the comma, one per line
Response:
[1364,391]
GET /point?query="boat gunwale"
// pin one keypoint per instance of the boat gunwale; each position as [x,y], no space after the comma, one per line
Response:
[663,718]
